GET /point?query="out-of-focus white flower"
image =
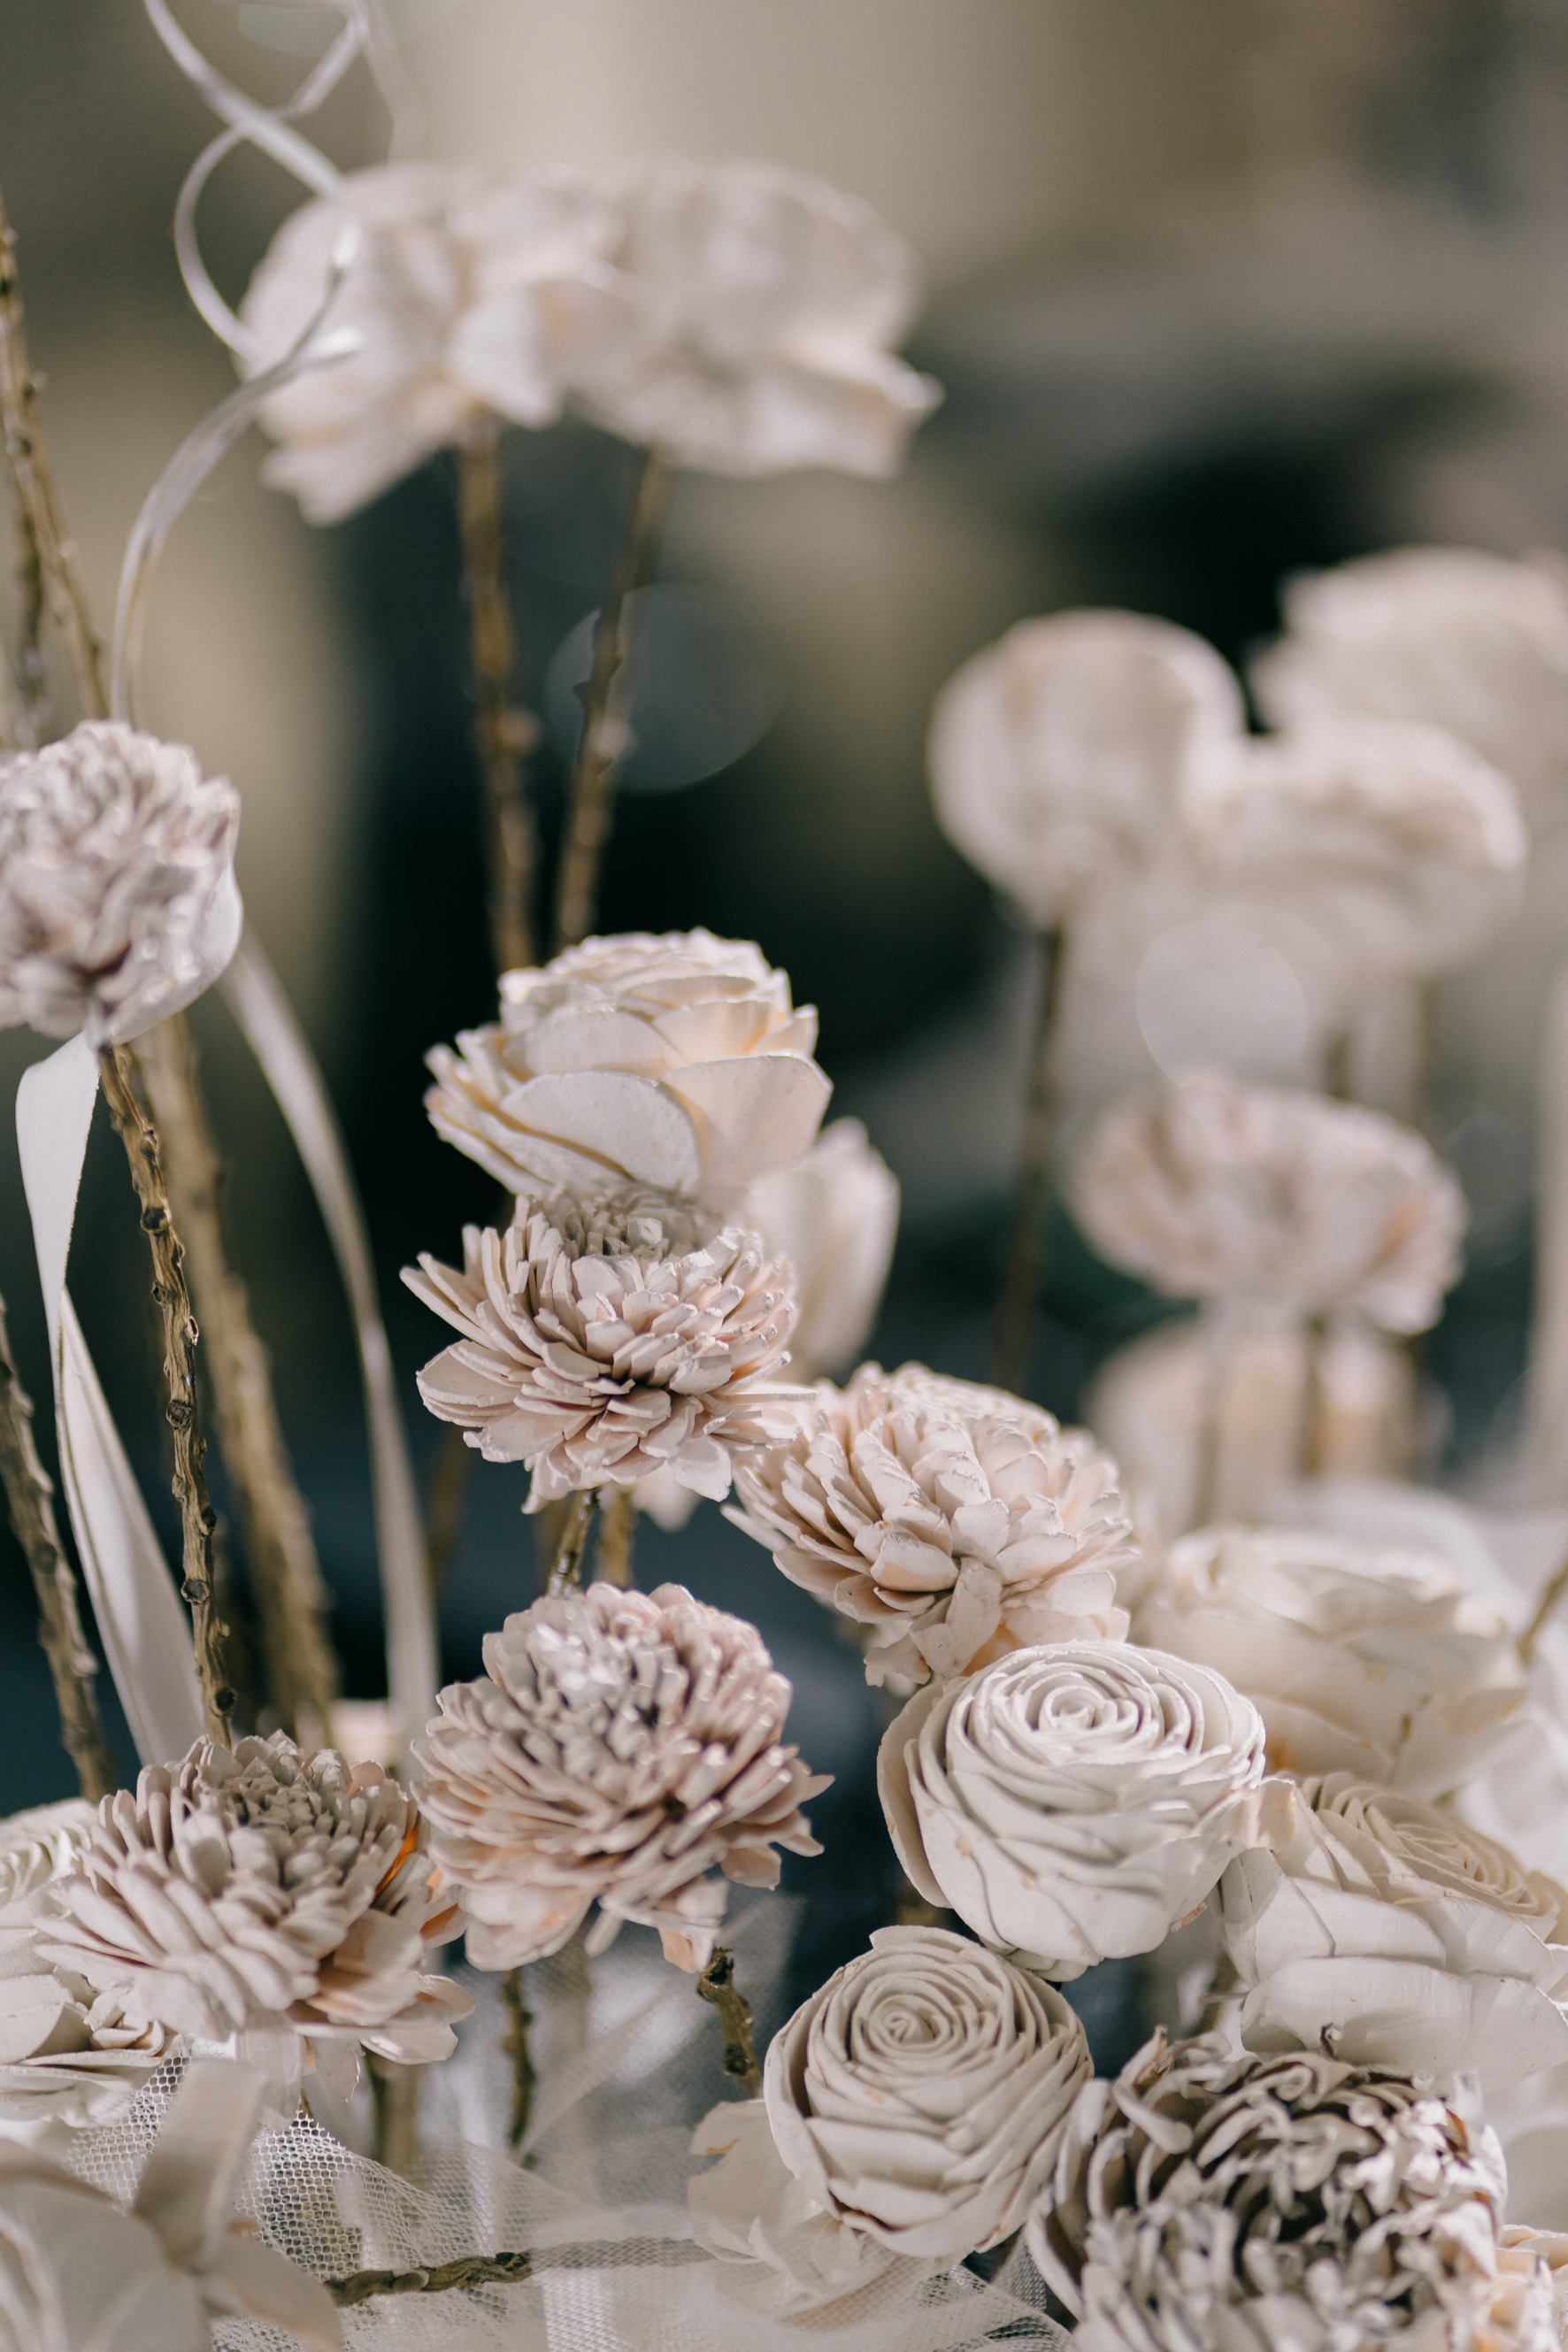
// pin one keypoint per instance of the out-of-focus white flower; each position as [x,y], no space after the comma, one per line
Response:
[1268,1198]
[618,1747]
[472,290]
[835,1216]
[1075,1803]
[1392,1934]
[1530,2298]
[787,2255]
[78,2275]
[1275,2204]
[1449,636]
[956,1521]
[118,903]
[762,309]
[600,1343]
[1058,756]
[919,2096]
[263,1890]
[676,1061]
[40,1843]
[1359,1658]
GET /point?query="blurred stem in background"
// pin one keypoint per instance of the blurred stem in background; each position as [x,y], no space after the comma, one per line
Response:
[503,736]
[1021,1278]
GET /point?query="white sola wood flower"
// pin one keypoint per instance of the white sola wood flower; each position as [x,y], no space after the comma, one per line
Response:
[1269,1197]
[1359,1656]
[264,1890]
[1391,1933]
[835,1216]
[619,1747]
[603,1342]
[472,291]
[79,2273]
[762,307]
[674,1060]
[920,2096]
[955,1521]
[1275,2203]
[118,903]
[1075,1803]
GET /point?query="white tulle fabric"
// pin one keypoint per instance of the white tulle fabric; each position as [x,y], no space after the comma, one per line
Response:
[674,1060]
[1272,1199]
[1075,1803]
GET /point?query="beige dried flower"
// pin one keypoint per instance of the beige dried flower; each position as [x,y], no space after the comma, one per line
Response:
[618,1747]
[835,1216]
[117,897]
[1269,1197]
[674,1060]
[1275,2203]
[956,1521]
[264,1888]
[604,1342]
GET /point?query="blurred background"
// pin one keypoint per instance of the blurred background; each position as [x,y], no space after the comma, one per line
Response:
[1217,291]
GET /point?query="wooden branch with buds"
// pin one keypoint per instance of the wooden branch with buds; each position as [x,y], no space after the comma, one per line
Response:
[510,2270]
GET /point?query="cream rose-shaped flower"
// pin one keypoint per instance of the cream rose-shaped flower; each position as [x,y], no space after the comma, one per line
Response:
[1075,1803]
[764,306]
[675,1060]
[920,2095]
[118,903]
[1274,2204]
[956,1521]
[42,1843]
[471,291]
[618,1747]
[1359,1657]
[1447,636]
[80,2274]
[264,1889]
[1263,1197]
[1392,1934]
[835,1216]
[603,1342]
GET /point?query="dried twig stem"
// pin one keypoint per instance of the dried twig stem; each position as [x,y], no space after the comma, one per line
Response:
[503,736]
[121,1073]
[500,2270]
[43,530]
[514,2042]
[717,1986]
[1015,1308]
[590,800]
[617,1536]
[1551,1593]
[29,1493]
[394,2106]
[566,1566]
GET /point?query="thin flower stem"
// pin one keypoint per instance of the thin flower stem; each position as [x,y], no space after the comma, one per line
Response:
[515,2043]
[590,800]
[29,1495]
[1216,1369]
[566,1566]
[503,736]
[1015,1308]
[1551,1594]
[285,1573]
[505,2269]
[394,2108]
[445,1503]
[717,1986]
[617,1537]
[119,1068]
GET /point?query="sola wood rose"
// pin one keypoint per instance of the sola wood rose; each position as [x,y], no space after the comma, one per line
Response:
[920,2095]
[618,1746]
[1391,1933]
[1075,1803]
[471,291]
[118,903]
[762,306]
[675,1061]
[1358,1656]
[1266,1198]
[955,1520]
[78,2273]
[1269,2203]
[265,1893]
[603,1343]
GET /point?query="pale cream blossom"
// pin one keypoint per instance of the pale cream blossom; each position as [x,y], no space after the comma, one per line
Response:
[834,1217]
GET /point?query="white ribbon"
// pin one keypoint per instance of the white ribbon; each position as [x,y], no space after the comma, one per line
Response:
[143,1627]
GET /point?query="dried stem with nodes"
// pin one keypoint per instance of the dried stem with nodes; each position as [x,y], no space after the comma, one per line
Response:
[717,1986]
[503,2269]
[565,1569]
[503,735]
[524,2075]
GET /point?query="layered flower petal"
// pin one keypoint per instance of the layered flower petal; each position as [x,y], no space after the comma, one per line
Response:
[834,1217]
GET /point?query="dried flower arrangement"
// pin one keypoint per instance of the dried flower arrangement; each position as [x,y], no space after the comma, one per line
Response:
[1322,1725]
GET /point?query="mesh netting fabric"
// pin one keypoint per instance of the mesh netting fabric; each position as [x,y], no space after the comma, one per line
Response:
[628,2063]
